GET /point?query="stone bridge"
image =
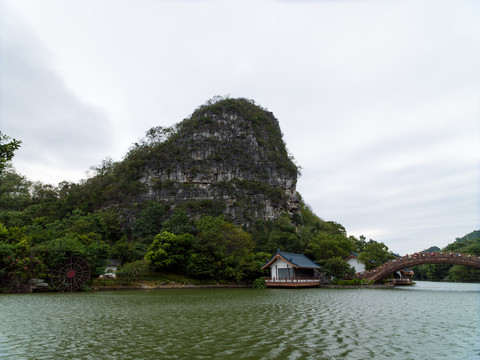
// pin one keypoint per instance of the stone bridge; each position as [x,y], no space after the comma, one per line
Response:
[381,272]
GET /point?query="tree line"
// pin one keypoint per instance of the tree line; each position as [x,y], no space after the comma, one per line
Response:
[468,244]
[41,225]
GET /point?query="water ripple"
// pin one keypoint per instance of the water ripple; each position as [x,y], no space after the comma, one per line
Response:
[244,324]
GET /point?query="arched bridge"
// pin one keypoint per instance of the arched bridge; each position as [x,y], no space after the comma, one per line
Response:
[381,272]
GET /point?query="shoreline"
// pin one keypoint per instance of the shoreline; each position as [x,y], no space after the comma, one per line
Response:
[167,287]
[146,287]
[231,286]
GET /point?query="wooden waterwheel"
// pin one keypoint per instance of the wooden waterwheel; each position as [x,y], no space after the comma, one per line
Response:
[71,274]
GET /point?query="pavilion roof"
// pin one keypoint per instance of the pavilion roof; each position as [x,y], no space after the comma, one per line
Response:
[299,261]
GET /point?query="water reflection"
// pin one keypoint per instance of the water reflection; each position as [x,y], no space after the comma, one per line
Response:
[429,321]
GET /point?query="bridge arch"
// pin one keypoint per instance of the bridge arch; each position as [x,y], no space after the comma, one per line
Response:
[382,271]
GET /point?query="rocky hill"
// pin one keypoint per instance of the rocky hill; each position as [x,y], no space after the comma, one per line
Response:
[229,154]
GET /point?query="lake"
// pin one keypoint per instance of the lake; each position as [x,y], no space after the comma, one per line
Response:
[425,321]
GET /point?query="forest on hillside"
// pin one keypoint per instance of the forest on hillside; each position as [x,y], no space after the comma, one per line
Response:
[468,244]
[41,225]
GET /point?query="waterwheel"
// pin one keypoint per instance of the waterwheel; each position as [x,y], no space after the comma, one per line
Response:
[71,274]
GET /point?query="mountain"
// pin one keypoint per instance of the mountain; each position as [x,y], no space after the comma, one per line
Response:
[472,236]
[228,157]
[432,249]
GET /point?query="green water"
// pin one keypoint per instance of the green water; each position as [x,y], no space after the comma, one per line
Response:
[427,321]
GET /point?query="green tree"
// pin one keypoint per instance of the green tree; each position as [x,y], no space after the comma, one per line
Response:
[131,271]
[7,148]
[338,268]
[468,244]
[179,223]
[97,254]
[375,254]
[284,236]
[18,261]
[15,191]
[204,266]
[220,249]
[220,238]
[261,233]
[460,273]
[62,248]
[251,263]
[437,272]
[359,243]
[128,250]
[89,247]
[7,262]
[149,221]
[325,246]
[169,251]
[209,240]
[332,228]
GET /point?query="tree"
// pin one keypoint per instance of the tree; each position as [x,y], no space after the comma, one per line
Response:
[325,246]
[338,268]
[375,254]
[203,266]
[463,273]
[7,149]
[7,260]
[169,251]
[437,272]
[14,191]
[359,243]
[220,249]
[128,251]
[131,271]
[149,221]
[251,264]
[18,261]
[209,240]
[284,236]
[88,246]
[179,223]
[332,227]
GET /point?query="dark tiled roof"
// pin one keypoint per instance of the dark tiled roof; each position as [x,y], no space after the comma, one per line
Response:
[352,255]
[297,260]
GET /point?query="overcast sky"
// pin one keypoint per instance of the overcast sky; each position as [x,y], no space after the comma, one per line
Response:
[379,101]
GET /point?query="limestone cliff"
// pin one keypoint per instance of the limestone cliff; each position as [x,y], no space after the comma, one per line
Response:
[229,153]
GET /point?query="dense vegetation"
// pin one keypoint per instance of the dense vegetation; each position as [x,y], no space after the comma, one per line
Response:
[469,244]
[113,213]
[42,225]
[7,149]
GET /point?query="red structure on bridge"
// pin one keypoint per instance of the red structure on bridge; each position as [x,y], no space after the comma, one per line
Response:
[383,271]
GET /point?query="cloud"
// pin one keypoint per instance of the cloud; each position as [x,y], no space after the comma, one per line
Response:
[378,100]
[57,129]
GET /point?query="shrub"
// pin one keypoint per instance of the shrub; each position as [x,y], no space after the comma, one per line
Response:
[259,283]
[131,271]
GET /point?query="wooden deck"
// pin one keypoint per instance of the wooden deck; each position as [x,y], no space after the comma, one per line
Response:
[292,282]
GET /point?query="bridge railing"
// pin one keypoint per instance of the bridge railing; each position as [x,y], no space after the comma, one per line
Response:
[416,258]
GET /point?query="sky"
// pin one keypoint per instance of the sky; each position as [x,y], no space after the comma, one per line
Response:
[378,100]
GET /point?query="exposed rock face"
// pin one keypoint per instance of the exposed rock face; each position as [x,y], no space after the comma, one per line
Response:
[229,153]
